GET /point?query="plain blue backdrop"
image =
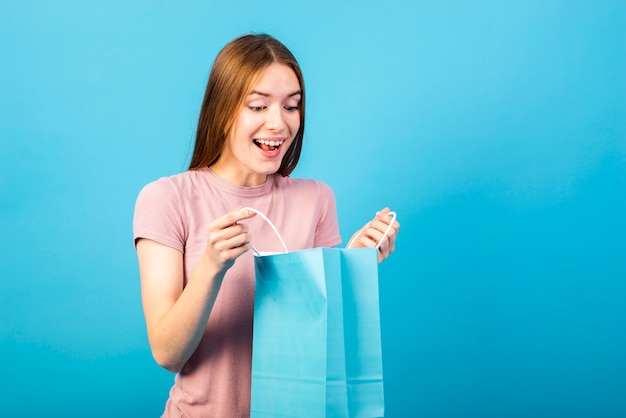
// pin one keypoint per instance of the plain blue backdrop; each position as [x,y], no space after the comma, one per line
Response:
[496,130]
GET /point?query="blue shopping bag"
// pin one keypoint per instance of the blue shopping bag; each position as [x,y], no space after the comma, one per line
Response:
[362,332]
[316,348]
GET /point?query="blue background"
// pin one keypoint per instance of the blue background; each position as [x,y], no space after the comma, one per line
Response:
[496,130]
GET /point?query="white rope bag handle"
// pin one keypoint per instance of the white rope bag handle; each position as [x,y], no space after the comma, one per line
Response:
[393,219]
[266,219]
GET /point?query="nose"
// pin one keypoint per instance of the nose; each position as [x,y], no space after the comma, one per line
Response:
[274,118]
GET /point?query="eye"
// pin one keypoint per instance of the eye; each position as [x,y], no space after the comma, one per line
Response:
[256,108]
[292,108]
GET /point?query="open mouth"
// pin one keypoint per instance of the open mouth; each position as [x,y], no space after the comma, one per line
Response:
[268,145]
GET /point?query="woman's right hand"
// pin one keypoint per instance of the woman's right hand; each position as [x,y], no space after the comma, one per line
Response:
[228,239]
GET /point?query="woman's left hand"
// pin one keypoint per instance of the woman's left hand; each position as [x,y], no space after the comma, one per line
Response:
[373,232]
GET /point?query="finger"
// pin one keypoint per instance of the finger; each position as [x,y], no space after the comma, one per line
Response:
[370,242]
[367,241]
[392,233]
[232,237]
[233,217]
[384,216]
[229,236]
[379,224]
[230,255]
[218,243]
[374,235]
[231,250]
[384,223]
[385,234]
[383,212]
[385,219]
[221,230]
[227,251]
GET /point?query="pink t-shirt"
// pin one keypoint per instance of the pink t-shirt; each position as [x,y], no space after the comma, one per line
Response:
[176,211]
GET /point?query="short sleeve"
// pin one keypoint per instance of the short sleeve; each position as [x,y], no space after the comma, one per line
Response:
[327,230]
[158,215]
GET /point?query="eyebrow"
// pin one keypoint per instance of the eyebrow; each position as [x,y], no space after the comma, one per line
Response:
[260,93]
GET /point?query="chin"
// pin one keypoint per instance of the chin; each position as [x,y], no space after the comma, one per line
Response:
[268,169]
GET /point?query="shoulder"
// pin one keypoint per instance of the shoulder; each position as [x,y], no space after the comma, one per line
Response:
[173,186]
[159,213]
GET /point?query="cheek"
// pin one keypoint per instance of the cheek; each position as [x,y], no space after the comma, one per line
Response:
[247,123]
[294,124]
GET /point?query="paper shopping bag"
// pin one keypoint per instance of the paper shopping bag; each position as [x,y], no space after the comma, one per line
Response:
[316,343]
[362,332]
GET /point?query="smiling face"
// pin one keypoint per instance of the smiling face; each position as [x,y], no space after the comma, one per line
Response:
[266,126]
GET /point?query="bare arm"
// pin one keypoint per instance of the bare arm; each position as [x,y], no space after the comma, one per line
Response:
[176,316]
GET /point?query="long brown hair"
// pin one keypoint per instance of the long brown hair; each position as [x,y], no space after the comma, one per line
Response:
[235,70]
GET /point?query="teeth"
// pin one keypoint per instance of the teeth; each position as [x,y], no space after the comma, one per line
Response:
[270,143]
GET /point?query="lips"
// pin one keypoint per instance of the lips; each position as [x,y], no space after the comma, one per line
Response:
[269,145]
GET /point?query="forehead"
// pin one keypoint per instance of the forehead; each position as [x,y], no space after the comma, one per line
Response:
[276,79]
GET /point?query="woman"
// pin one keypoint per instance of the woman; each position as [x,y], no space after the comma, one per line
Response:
[197,275]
